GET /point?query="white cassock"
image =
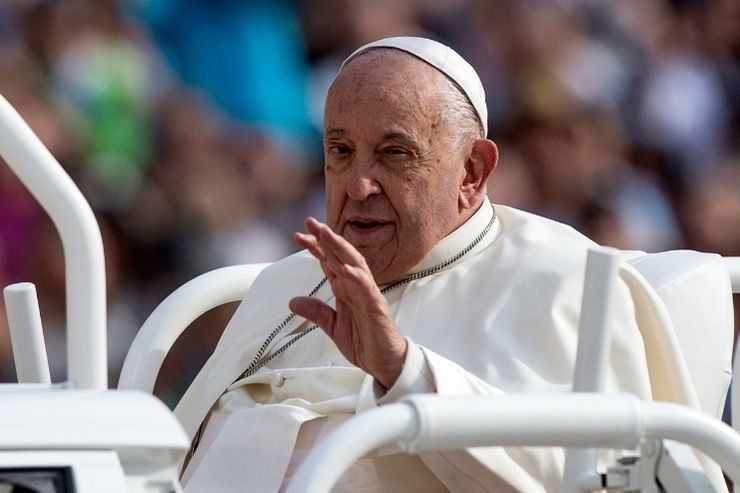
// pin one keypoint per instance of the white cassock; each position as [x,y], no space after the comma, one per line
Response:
[503,318]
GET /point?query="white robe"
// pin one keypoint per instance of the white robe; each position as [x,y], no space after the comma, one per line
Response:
[503,318]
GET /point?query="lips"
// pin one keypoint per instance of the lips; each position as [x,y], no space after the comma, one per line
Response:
[366,225]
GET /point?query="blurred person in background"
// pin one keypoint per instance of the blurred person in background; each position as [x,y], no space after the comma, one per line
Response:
[691,87]
[247,56]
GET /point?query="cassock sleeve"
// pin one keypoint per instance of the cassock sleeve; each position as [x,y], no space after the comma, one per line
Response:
[475,469]
[415,378]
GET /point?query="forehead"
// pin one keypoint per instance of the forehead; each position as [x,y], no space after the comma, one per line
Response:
[387,84]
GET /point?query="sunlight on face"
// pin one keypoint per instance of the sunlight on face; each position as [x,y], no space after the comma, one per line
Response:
[393,174]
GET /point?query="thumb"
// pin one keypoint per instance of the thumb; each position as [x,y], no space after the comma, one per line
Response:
[316,311]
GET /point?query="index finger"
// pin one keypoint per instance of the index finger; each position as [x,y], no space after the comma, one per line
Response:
[334,245]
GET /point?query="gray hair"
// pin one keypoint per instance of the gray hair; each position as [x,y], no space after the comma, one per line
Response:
[459,113]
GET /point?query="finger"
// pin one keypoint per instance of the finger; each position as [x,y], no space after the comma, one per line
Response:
[335,245]
[333,262]
[316,311]
[359,277]
[362,292]
[315,227]
[310,243]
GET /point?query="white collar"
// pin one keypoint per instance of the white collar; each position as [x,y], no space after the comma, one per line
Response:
[462,237]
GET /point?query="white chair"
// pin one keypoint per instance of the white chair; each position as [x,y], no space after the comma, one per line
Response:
[160,331]
[697,291]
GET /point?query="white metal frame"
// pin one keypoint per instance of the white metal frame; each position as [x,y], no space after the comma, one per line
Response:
[433,422]
[94,471]
[26,336]
[733,268]
[594,341]
[83,246]
[111,440]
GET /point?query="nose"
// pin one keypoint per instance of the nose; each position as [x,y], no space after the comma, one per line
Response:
[361,184]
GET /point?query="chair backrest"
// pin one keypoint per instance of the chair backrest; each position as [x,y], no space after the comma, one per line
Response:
[160,331]
[695,288]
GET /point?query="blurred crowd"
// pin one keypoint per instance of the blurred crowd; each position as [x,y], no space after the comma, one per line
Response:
[193,128]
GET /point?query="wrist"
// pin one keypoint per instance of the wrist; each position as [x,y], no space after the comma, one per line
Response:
[393,365]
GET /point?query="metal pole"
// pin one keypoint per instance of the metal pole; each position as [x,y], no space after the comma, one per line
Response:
[592,356]
[334,454]
[684,424]
[26,335]
[83,246]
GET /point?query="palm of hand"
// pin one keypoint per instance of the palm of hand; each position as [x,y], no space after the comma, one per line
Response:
[360,325]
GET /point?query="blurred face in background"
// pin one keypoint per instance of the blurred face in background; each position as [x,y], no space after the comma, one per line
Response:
[393,167]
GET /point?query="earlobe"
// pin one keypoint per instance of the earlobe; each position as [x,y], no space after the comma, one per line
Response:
[480,164]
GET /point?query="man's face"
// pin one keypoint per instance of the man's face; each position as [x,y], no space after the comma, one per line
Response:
[393,174]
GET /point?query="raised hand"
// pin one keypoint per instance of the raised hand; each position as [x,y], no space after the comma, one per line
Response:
[361,325]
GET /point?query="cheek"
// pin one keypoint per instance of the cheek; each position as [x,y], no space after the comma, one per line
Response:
[435,208]
[333,201]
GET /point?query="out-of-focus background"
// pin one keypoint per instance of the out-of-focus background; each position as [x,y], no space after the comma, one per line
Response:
[193,127]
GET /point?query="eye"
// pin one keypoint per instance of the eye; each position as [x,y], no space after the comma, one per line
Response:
[397,156]
[396,151]
[338,149]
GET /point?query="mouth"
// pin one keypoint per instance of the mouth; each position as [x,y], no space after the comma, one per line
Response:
[364,226]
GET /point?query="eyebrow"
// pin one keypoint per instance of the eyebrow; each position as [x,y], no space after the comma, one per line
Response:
[402,136]
[391,135]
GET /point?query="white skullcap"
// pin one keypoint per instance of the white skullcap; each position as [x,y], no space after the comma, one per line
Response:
[444,59]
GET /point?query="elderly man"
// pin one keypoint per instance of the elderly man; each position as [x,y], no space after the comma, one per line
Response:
[417,284]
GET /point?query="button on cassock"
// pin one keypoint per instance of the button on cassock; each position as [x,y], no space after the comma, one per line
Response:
[277,379]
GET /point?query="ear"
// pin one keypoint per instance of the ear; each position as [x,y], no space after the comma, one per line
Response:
[479,165]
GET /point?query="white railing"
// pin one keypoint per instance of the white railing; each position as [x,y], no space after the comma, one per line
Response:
[83,246]
[26,335]
[434,422]
[594,341]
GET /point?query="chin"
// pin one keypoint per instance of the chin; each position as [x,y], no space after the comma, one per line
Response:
[380,271]
[387,275]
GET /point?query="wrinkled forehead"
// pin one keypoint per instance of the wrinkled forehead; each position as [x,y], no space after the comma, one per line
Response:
[442,58]
[389,72]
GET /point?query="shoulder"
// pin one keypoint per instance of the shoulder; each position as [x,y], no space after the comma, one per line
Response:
[291,275]
[528,244]
[539,230]
[267,298]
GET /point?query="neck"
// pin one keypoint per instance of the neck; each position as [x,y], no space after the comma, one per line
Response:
[461,237]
